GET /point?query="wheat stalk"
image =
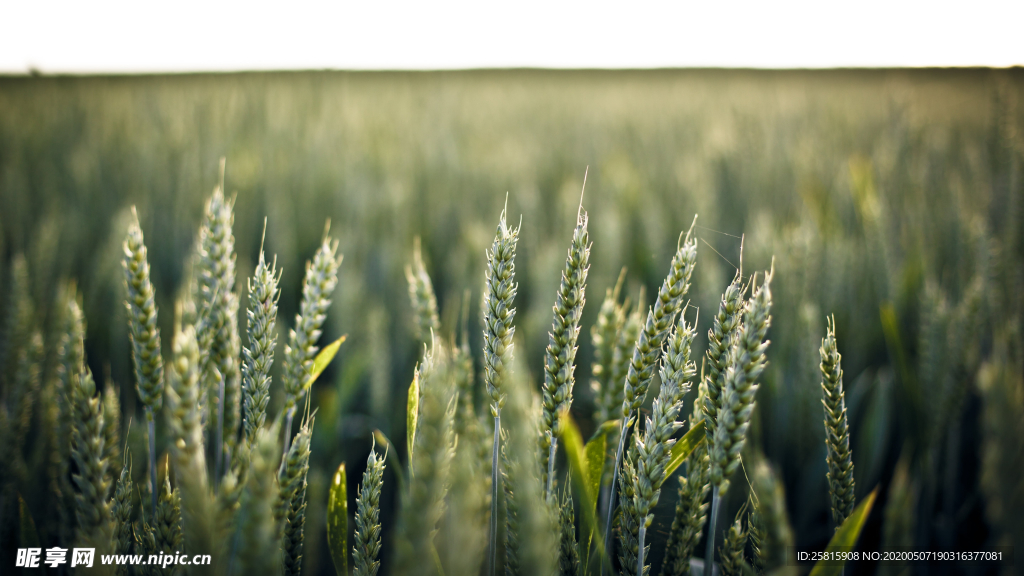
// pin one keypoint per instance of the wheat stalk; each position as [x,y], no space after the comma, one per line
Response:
[604,335]
[723,330]
[121,514]
[568,548]
[89,454]
[655,444]
[640,371]
[776,537]
[746,361]
[258,547]
[837,431]
[733,546]
[422,297]
[499,312]
[292,486]
[259,355]
[367,533]
[560,354]
[148,363]
[185,422]
[300,350]
[691,508]
[423,502]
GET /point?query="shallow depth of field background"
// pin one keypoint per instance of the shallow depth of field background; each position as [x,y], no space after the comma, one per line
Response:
[873,190]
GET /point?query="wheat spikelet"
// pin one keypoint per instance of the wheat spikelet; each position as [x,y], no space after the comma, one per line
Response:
[258,548]
[423,503]
[300,350]
[655,444]
[89,454]
[167,517]
[560,354]
[367,533]
[186,427]
[691,508]
[142,319]
[837,431]
[568,548]
[292,486]
[776,536]
[259,355]
[111,429]
[121,513]
[746,362]
[421,295]
[733,545]
[724,328]
[604,335]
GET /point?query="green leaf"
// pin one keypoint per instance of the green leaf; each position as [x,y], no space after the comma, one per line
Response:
[323,359]
[579,466]
[337,521]
[846,537]
[412,415]
[683,447]
[594,453]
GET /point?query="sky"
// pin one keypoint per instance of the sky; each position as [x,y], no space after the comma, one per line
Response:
[115,36]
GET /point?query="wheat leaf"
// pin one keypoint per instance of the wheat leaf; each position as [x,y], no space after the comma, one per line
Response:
[323,359]
[337,521]
[846,537]
[682,449]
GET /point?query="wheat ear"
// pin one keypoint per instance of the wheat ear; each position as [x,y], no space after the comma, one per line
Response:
[121,514]
[422,297]
[733,546]
[837,430]
[654,445]
[560,354]
[604,335]
[568,548]
[776,536]
[145,335]
[691,508]
[640,371]
[367,519]
[300,350]
[292,486]
[499,312]
[259,355]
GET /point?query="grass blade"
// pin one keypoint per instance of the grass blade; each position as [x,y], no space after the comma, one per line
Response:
[846,537]
[580,460]
[337,521]
[682,449]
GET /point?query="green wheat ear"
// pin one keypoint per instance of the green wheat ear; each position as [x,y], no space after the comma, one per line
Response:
[691,508]
[423,501]
[121,513]
[258,541]
[733,545]
[837,431]
[776,536]
[317,287]
[422,297]
[167,518]
[568,548]
[142,319]
[746,361]
[292,499]
[367,533]
[724,327]
[654,445]
[259,355]
[560,354]
[89,454]
[604,334]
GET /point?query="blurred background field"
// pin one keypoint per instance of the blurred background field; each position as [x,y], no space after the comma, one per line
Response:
[889,198]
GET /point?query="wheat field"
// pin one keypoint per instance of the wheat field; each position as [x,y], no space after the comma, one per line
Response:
[839,328]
